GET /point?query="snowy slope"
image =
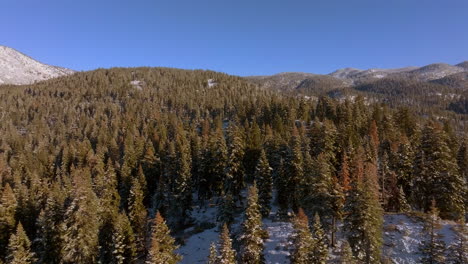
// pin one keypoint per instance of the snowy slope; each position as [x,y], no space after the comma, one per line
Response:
[402,235]
[17,68]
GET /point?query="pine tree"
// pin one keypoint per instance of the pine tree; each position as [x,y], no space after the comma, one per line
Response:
[235,167]
[437,176]
[294,169]
[302,240]
[227,255]
[318,189]
[80,227]
[265,183]
[8,205]
[364,215]
[123,241]
[213,257]
[346,255]
[252,232]
[319,252]
[226,210]
[19,248]
[433,247]
[137,214]
[162,248]
[48,241]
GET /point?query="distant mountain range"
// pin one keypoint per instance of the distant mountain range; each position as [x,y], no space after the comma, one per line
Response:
[353,77]
[17,68]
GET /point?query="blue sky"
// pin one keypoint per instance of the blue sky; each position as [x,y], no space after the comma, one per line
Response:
[239,37]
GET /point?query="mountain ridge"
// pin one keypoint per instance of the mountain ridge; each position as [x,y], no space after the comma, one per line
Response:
[19,68]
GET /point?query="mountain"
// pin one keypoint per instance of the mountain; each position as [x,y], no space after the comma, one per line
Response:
[354,77]
[17,68]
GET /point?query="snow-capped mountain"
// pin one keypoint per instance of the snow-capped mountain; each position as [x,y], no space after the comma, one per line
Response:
[425,73]
[17,68]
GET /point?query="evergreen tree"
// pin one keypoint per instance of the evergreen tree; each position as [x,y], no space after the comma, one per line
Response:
[437,176]
[213,257]
[162,248]
[294,169]
[346,254]
[48,241]
[226,210]
[235,167]
[364,215]
[302,241]
[19,248]
[252,232]
[80,227]
[123,241]
[433,247]
[265,183]
[137,214]
[227,255]
[8,205]
[319,252]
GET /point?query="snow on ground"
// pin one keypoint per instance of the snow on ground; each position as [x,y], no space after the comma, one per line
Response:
[402,234]
[276,246]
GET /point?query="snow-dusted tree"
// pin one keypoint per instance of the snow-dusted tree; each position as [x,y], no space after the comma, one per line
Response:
[137,214]
[265,184]
[80,228]
[294,169]
[226,210]
[319,252]
[123,241]
[364,215]
[235,167]
[433,247]
[8,205]
[19,248]
[437,176]
[162,248]
[346,254]
[302,241]
[227,255]
[252,232]
[213,257]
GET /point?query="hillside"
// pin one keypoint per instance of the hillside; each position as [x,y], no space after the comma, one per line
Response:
[121,161]
[17,68]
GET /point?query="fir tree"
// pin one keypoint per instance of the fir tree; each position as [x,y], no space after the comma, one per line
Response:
[162,248]
[123,241]
[8,205]
[437,176]
[227,255]
[226,210]
[235,167]
[364,215]
[137,214]
[302,240]
[346,254]
[265,183]
[213,257]
[252,232]
[319,252]
[433,247]
[80,227]
[294,169]
[19,248]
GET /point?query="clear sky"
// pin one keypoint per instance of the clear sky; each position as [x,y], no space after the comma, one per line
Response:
[242,37]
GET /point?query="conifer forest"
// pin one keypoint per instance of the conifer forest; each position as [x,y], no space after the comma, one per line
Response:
[157,165]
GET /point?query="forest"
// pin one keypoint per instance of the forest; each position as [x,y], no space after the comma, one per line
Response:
[108,166]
